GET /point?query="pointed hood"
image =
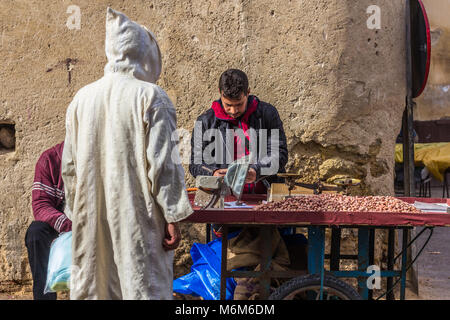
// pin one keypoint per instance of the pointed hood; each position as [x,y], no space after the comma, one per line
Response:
[131,48]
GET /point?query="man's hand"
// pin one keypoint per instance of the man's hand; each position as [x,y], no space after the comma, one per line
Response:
[251,176]
[172,238]
[220,172]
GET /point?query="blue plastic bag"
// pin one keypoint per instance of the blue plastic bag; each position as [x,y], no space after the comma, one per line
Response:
[59,264]
[204,279]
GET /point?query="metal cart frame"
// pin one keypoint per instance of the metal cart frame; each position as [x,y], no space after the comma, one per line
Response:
[317,256]
[316,223]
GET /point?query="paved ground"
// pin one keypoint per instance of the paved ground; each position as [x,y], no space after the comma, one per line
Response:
[434,262]
[434,265]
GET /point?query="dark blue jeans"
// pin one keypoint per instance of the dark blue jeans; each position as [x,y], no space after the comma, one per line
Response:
[38,240]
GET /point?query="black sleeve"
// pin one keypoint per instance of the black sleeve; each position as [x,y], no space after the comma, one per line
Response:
[197,165]
[275,160]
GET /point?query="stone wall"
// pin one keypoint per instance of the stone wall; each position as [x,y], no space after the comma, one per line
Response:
[338,85]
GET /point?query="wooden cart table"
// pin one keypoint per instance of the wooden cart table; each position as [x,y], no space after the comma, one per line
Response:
[316,223]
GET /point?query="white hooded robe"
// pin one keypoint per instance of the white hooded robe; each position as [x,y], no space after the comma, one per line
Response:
[122,183]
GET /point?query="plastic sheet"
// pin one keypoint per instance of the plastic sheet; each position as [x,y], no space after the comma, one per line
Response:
[204,279]
[59,264]
[434,156]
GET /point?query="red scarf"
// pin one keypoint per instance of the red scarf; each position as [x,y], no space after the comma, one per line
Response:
[240,149]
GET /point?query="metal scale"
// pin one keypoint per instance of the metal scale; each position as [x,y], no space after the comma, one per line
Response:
[211,191]
[340,185]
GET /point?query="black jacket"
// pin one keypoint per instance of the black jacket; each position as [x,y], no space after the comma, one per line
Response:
[264,117]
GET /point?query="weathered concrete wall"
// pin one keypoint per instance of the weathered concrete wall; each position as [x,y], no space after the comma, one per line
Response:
[338,85]
[434,103]
[350,129]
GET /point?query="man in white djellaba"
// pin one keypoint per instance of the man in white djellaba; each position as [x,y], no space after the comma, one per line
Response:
[125,191]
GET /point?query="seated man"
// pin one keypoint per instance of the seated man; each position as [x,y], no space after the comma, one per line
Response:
[50,221]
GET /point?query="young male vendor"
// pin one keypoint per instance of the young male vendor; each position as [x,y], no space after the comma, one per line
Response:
[254,124]
[227,132]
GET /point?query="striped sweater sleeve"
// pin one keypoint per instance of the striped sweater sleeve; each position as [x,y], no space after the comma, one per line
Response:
[45,197]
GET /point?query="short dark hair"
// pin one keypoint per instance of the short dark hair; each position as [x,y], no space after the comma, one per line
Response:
[233,83]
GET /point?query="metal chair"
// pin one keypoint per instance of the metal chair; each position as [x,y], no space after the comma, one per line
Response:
[445,184]
[425,187]
[424,184]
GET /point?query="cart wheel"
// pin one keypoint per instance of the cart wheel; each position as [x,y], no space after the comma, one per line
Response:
[308,288]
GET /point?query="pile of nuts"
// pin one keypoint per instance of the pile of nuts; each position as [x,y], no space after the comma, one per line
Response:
[336,202]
